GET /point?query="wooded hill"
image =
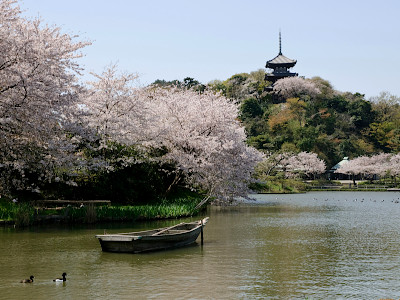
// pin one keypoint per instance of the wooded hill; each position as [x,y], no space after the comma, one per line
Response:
[310,115]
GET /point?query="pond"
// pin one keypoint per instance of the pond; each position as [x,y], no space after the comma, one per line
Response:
[335,245]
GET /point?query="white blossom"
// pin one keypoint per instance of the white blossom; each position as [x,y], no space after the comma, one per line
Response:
[291,87]
[304,162]
[38,87]
[380,164]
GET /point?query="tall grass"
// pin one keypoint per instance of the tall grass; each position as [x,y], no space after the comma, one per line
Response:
[91,214]
[164,210]
[160,211]
[23,214]
[7,210]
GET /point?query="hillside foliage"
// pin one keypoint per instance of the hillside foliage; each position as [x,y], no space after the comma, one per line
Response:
[310,115]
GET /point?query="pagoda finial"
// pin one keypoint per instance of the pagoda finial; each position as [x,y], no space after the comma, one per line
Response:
[280,43]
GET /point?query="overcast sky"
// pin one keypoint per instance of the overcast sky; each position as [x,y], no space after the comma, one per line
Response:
[353,44]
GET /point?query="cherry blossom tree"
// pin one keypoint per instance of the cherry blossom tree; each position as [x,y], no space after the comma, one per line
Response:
[38,88]
[272,164]
[395,164]
[113,105]
[306,163]
[295,87]
[202,138]
[352,167]
[114,112]
[380,164]
[198,134]
[291,164]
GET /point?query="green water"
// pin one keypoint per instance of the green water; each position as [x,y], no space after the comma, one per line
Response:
[317,246]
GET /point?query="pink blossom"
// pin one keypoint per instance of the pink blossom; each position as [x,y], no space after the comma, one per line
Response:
[38,75]
[305,162]
[291,87]
[379,164]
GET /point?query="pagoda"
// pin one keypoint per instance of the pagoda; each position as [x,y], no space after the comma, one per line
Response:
[280,66]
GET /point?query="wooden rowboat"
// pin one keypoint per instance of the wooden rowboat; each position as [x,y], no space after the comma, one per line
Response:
[162,238]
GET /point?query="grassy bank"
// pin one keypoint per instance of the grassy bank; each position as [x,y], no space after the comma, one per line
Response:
[280,186]
[285,186]
[26,214]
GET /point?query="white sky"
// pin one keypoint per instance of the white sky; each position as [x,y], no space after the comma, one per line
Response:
[353,44]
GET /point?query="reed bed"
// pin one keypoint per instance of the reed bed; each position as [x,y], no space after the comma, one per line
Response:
[161,211]
[7,210]
[24,214]
[92,214]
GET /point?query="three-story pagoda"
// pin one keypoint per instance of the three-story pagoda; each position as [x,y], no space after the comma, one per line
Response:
[280,66]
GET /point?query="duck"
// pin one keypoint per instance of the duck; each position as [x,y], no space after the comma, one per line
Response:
[61,279]
[30,280]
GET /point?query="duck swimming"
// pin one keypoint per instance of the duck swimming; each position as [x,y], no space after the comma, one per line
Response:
[30,280]
[61,279]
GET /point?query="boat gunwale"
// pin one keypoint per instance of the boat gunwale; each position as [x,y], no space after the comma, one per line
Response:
[145,233]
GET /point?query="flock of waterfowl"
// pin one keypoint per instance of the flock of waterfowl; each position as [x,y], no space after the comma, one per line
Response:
[371,200]
[60,279]
[354,200]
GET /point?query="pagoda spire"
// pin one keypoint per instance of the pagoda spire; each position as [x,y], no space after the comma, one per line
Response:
[280,43]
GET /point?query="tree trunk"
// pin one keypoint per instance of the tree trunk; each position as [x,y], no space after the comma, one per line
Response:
[173,183]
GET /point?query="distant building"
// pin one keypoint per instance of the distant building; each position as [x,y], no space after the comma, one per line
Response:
[280,66]
[340,164]
[334,172]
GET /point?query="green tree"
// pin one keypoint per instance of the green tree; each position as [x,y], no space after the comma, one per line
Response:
[250,108]
[306,138]
[386,106]
[361,111]
[382,134]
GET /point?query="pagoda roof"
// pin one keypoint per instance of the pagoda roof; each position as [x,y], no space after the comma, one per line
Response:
[281,61]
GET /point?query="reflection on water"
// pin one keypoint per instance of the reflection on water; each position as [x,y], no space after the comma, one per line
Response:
[317,245]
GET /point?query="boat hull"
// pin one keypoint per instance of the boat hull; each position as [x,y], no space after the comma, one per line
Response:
[152,240]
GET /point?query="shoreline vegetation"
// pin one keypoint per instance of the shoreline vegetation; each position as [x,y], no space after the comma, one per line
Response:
[27,213]
[292,186]
[35,212]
